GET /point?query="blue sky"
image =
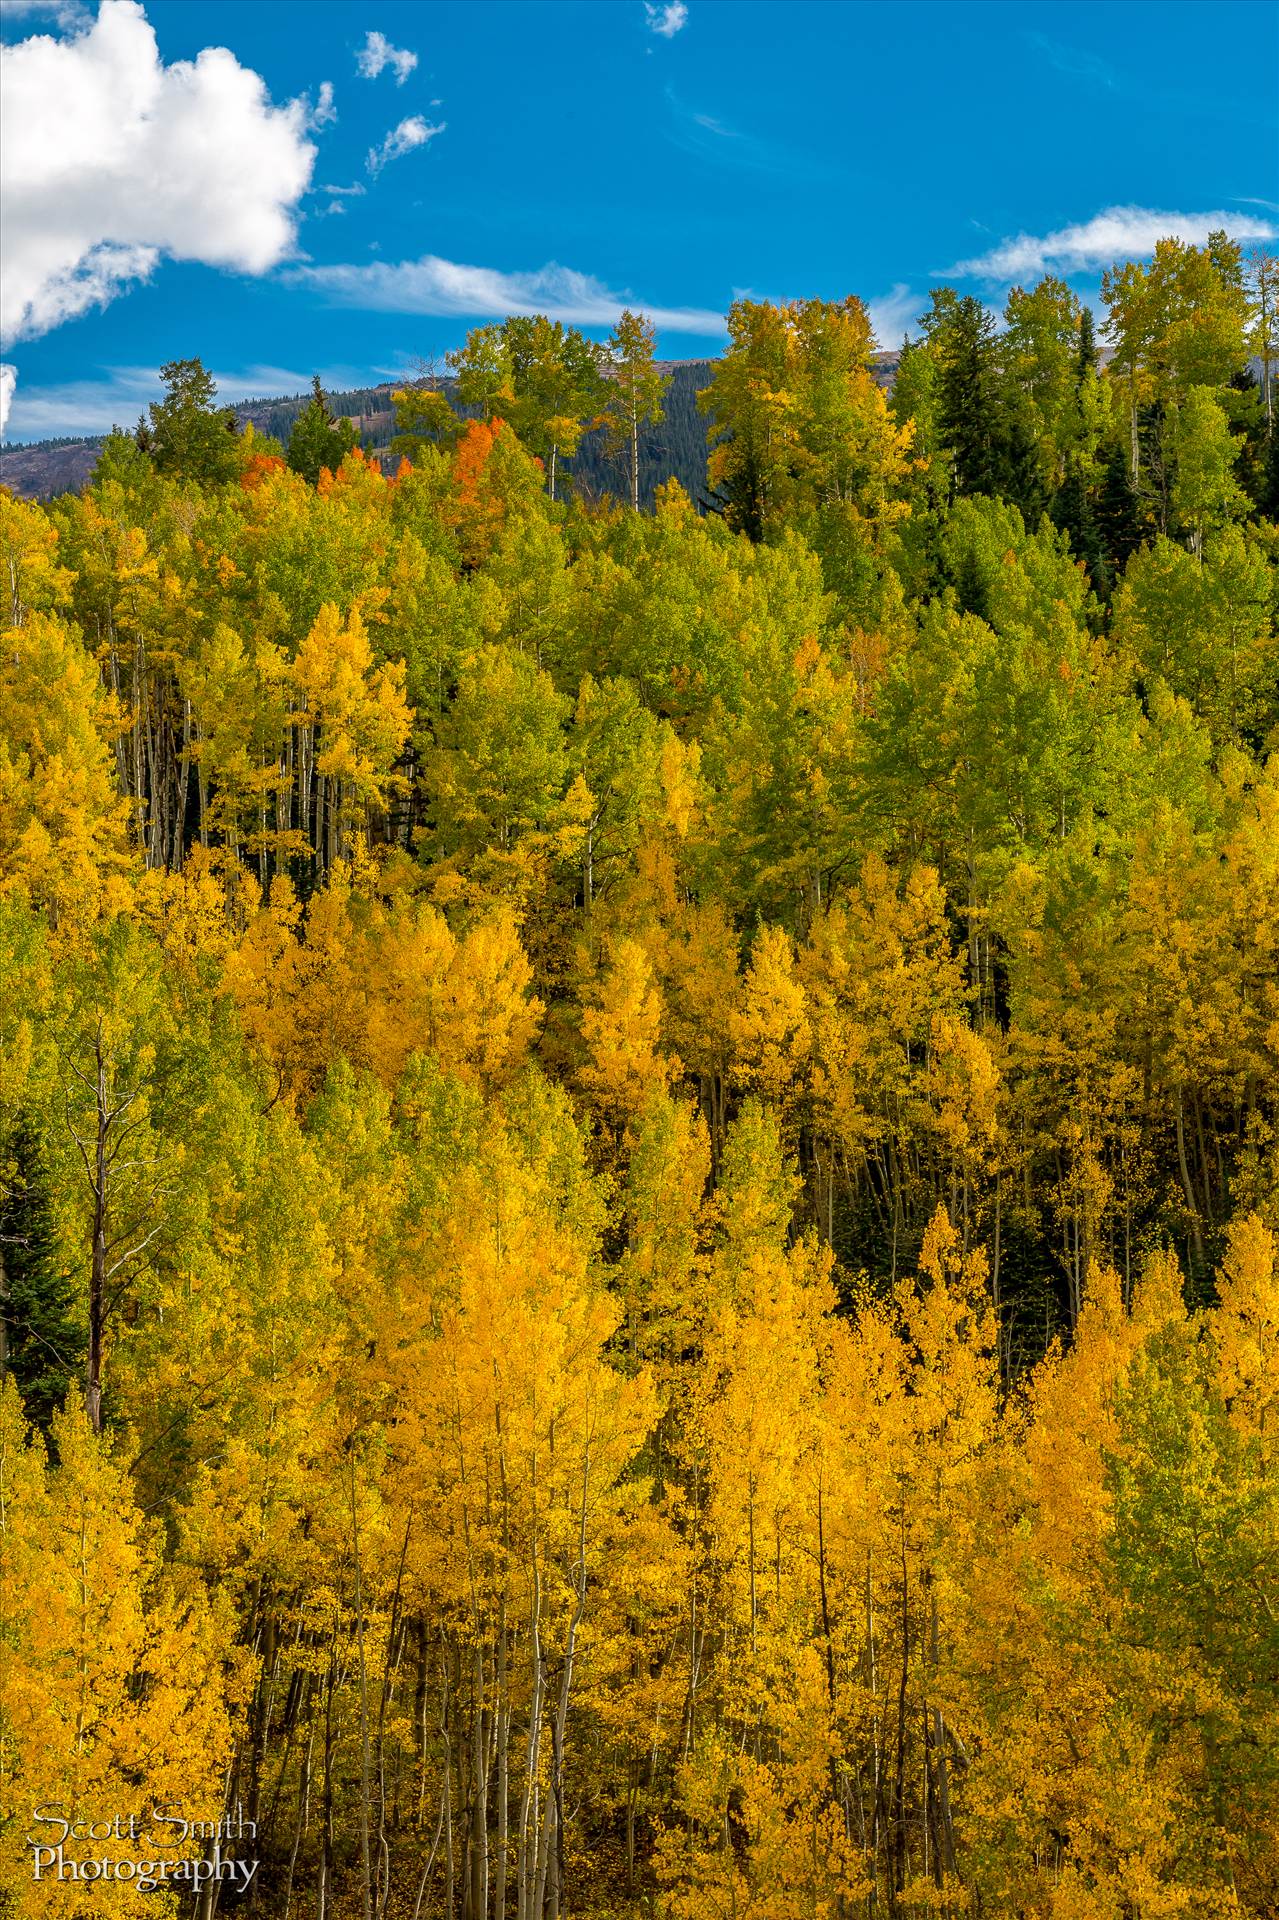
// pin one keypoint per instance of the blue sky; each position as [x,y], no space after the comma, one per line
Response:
[356,182]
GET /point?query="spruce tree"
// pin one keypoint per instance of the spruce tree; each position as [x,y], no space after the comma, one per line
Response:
[1117,515]
[969,412]
[42,1341]
[188,434]
[319,439]
[1072,511]
[1087,360]
[1020,479]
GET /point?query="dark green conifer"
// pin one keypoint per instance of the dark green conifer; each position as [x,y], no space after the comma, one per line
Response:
[1020,479]
[1118,513]
[1087,360]
[187,434]
[319,439]
[1073,512]
[970,417]
[42,1343]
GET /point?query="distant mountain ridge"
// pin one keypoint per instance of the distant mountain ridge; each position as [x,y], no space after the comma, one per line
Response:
[676,448]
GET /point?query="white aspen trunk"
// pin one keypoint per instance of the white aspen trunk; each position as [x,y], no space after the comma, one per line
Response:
[528,1798]
[634,452]
[364,1704]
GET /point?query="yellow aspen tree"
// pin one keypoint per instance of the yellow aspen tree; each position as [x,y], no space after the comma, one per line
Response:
[769,1750]
[698,963]
[517,1433]
[666,1175]
[187,912]
[880,973]
[769,1026]
[948,1327]
[755,1196]
[353,721]
[120,1683]
[1244,1330]
[622,1031]
[1064,1743]
[31,578]
[964,1089]
[62,823]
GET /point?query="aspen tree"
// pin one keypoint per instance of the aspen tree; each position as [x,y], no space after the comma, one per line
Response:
[117,1682]
[634,397]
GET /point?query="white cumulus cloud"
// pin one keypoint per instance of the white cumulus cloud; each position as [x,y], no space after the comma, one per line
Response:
[1117,233]
[411,133]
[377,53]
[445,287]
[112,160]
[667,20]
[8,381]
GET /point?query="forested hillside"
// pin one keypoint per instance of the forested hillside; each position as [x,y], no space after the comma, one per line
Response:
[672,448]
[639,1147]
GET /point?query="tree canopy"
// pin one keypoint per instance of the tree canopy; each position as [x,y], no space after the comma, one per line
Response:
[639,1150]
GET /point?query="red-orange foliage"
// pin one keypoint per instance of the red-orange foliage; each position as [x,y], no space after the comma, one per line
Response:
[472,457]
[259,467]
[357,469]
[480,509]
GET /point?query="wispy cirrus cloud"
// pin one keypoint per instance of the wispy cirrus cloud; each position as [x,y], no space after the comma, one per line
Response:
[120,393]
[1076,62]
[323,113]
[72,16]
[666,21]
[708,137]
[406,138]
[377,54]
[446,287]
[1117,233]
[337,199]
[893,314]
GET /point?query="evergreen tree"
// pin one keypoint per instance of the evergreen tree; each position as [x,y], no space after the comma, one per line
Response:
[42,1342]
[968,402]
[1118,516]
[1086,362]
[1020,479]
[319,439]
[188,435]
[1073,512]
